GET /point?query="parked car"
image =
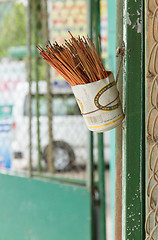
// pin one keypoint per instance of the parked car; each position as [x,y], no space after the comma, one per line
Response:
[70,134]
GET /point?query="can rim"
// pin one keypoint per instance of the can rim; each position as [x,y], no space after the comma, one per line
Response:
[108,72]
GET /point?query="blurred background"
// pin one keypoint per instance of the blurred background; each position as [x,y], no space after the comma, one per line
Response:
[19,74]
[41,128]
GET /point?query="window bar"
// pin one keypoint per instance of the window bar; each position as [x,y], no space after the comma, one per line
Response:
[101,162]
[29,78]
[36,34]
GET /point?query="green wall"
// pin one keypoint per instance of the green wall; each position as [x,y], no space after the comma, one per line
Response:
[32,209]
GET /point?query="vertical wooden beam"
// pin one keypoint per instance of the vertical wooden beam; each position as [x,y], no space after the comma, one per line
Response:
[36,7]
[101,187]
[50,152]
[90,163]
[101,162]
[118,131]
[111,5]
[133,149]
[29,79]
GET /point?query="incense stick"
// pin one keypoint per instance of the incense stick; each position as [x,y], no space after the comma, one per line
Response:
[77,60]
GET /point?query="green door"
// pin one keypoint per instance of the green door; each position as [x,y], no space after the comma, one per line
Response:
[37,209]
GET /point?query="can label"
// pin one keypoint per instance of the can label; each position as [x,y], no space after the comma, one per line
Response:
[100,104]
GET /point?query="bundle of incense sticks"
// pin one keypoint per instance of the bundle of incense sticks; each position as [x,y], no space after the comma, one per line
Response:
[77,60]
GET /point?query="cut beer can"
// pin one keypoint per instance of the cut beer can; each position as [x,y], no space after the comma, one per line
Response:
[100,104]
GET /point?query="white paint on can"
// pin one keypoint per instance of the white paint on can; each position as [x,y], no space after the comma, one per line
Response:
[100,104]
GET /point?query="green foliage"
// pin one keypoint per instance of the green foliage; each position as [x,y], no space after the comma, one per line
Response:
[13,29]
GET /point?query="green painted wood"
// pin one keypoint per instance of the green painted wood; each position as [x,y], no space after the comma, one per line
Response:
[118,131]
[59,179]
[101,187]
[134,161]
[101,163]
[32,209]
[111,4]
[37,22]
[112,178]
[90,163]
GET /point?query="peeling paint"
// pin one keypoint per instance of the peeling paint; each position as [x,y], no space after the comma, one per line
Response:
[128,19]
[139,25]
[132,224]
[134,26]
[138,12]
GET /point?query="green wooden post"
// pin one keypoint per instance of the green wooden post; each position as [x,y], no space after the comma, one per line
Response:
[101,163]
[118,131]
[101,186]
[133,155]
[111,4]
[91,133]
[111,62]
[90,164]
[29,79]
[45,30]
[36,25]
[91,141]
